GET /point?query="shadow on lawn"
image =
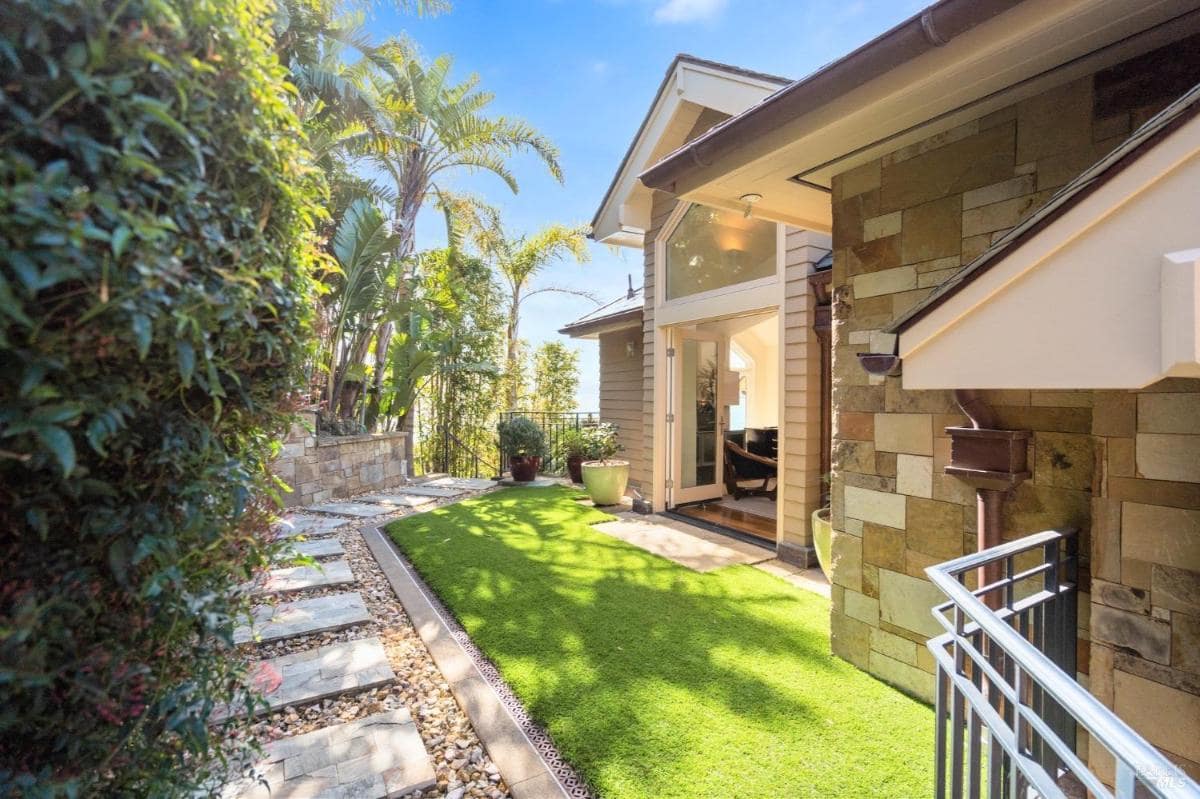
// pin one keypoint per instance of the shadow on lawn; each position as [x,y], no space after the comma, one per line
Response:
[618,652]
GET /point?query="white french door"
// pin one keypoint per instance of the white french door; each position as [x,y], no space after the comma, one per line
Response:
[697,416]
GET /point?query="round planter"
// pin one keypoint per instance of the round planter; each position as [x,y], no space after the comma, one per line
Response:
[575,468]
[605,481]
[822,531]
[524,468]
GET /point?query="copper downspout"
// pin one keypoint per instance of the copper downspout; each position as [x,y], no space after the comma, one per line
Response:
[989,502]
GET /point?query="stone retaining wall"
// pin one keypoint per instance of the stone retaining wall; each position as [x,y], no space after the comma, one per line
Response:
[319,468]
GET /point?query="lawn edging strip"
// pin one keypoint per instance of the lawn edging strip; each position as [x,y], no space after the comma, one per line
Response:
[531,770]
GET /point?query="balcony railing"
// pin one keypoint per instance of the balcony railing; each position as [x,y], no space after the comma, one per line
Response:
[554,426]
[1008,706]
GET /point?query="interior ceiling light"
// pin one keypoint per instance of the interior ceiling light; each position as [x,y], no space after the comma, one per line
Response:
[750,200]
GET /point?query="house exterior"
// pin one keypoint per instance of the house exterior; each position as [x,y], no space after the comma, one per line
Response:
[757,309]
[1010,190]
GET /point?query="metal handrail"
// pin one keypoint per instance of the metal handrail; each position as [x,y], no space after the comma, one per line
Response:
[1126,745]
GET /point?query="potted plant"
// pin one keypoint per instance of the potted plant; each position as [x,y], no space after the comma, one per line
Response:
[525,444]
[822,532]
[605,479]
[574,448]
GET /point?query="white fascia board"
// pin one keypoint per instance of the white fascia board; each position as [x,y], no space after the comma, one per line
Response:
[1080,303]
[626,210]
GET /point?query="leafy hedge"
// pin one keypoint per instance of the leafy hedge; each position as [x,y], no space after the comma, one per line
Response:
[156,211]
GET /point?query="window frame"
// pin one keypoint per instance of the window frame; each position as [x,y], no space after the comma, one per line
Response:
[660,262]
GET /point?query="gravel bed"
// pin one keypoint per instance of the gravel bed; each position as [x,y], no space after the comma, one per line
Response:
[460,762]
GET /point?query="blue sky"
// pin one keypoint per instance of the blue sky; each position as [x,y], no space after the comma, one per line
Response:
[584,72]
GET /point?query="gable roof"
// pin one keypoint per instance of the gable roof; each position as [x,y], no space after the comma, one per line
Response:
[697,82]
[1125,155]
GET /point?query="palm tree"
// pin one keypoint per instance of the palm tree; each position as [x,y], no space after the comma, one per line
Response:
[518,261]
[428,128]
[362,245]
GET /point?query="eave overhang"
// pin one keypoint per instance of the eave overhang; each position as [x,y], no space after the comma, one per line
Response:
[594,328]
[952,63]
[690,86]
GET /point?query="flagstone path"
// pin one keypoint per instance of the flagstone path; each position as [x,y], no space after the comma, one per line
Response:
[348,713]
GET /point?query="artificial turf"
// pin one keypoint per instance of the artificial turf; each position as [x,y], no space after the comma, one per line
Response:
[657,681]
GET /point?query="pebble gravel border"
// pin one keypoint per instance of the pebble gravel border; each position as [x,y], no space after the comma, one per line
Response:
[461,763]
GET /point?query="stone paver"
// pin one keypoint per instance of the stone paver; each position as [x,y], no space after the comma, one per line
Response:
[538,482]
[303,617]
[693,547]
[318,673]
[317,548]
[465,483]
[361,510]
[400,500]
[810,579]
[376,757]
[299,578]
[295,524]
[426,490]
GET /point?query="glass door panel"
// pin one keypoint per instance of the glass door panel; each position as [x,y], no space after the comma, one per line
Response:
[698,415]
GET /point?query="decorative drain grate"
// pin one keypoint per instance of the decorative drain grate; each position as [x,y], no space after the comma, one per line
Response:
[572,784]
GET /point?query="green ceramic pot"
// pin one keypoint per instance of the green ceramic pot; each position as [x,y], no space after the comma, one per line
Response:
[822,530]
[605,481]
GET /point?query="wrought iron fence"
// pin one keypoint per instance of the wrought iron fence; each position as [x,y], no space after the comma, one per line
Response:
[1007,700]
[554,426]
[454,457]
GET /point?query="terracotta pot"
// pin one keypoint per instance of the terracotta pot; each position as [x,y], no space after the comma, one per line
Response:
[606,480]
[575,468]
[822,530]
[524,468]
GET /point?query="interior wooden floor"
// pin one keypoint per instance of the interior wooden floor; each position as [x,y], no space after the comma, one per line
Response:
[742,522]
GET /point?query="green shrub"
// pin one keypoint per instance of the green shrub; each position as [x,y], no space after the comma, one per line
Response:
[156,210]
[593,442]
[521,436]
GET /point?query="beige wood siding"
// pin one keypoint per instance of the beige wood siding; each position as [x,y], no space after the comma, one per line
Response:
[801,416]
[621,397]
[661,207]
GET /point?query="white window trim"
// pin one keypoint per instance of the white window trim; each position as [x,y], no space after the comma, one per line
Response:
[703,299]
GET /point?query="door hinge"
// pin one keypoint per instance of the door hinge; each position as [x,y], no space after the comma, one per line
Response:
[669,484]
[670,352]
[670,418]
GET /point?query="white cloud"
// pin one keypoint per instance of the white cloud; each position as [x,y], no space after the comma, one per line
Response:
[599,68]
[688,10]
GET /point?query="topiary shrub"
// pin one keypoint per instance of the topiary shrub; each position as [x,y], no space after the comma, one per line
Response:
[156,210]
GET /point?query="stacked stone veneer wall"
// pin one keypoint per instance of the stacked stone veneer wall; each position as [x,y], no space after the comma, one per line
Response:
[320,468]
[1122,467]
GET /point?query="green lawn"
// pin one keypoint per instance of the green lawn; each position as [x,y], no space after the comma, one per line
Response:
[656,681]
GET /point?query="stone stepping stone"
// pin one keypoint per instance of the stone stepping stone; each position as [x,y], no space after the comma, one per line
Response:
[376,757]
[299,578]
[426,490]
[404,500]
[317,548]
[361,510]
[463,483]
[316,674]
[295,524]
[303,617]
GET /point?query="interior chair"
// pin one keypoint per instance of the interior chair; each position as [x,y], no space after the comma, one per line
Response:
[752,454]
